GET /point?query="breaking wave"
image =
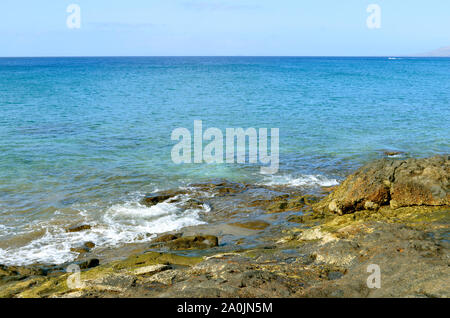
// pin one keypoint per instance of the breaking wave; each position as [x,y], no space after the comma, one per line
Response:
[129,222]
[299,181]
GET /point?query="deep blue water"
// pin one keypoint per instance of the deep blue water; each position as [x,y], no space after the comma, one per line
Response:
[82,139]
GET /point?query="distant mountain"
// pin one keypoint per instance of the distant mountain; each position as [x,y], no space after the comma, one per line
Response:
[442,52]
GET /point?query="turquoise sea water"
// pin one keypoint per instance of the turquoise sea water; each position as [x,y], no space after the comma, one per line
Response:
[83,139]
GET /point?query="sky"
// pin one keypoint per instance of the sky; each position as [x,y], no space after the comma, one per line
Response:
[222,27]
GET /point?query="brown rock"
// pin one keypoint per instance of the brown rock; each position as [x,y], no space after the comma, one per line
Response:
[24,271]
[193,242]
[89,245]
[252,225]
[193,204]
[155,198]
[90,263]
[398,183]
[369,205]
[80,250]
[166,238]
[79,228]
[328,189]
[422,182]
[390,153]
[221,187]
[292,204]
[268,201]
[171,197]
[86,247]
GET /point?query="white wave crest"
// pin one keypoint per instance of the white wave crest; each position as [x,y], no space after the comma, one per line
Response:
[130,222]
[300,181]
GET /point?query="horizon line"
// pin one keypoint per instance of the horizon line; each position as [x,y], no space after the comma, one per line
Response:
[288,56]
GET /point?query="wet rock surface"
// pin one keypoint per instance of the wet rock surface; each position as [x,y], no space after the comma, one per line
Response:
[252,225]
[175,242]
[156,198]
[79,228]
[281,242]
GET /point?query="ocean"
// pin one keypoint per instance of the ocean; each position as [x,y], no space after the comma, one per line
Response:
[82,140]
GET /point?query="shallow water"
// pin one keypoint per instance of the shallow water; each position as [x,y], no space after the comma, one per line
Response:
[83,139]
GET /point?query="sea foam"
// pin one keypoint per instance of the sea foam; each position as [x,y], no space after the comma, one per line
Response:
[299,181]
[129,222]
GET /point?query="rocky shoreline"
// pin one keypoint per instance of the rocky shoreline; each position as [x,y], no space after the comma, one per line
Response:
[279,242]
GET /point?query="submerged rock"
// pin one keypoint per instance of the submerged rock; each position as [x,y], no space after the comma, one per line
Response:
[391,153]
[193,242]
[78,228]
[221,187]
[398,183]
[179,242]
[178,196]
[85,248]
[80,250]
[155,198]
[193,204]
[252,225]
[21,271]
[89,245]
[90,263]
[166,238]
[292,203]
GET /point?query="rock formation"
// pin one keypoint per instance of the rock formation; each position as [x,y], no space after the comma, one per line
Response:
[398,183]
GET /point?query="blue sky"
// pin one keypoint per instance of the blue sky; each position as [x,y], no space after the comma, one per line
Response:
[222,27]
